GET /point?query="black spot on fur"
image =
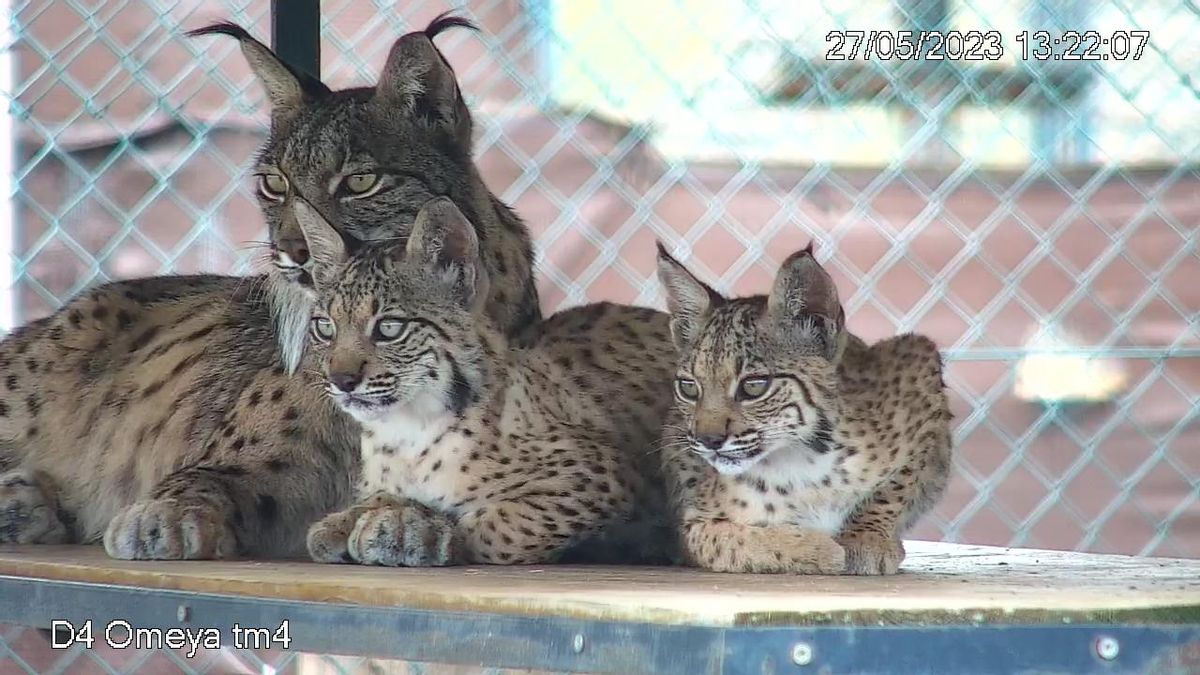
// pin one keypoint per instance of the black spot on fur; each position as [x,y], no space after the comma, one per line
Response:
[143,339]
[225,470]
[822,438]
[200,334]
[268,508]
[460,390]
[186,363]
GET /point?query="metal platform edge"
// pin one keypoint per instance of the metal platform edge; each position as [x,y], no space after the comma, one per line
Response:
[620,648]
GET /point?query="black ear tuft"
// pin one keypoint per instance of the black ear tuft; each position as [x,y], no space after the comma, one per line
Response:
[264,63]
[417,80]
[221,28]
[447,20]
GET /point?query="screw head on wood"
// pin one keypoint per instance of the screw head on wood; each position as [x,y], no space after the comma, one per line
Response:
[1107,648]
[183,613]
[802,653]
[577,643]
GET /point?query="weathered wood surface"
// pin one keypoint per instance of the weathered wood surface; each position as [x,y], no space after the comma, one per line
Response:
[939,583]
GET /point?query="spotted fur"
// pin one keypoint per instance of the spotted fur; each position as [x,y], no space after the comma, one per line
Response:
[793,446]
[178,417]
[473,450]
[143,407]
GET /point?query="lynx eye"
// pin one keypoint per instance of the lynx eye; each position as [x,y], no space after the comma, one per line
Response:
[360,184]
[687,389]
[753,387]
[323,328]
[387,330]
[273,186]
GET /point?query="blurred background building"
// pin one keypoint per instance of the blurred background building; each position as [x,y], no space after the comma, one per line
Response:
[1037,218]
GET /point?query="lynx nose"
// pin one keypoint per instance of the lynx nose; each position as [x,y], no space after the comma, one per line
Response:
[346,382]
[292,250]
[711,441]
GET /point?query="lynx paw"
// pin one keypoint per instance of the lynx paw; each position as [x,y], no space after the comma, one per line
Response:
[732,547]
[809,553]
[27,514]
[167,529]
[408,535]
[872,554]
[328,537]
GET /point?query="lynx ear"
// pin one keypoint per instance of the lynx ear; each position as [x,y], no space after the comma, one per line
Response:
[443,242]
[418,81]
[286,88]
[804,303]
[329,248]
[688,299]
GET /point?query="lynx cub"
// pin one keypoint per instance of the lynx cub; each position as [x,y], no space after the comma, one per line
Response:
[472,451]
[796,447]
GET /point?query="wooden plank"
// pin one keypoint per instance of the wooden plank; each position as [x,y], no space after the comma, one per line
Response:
[939,583]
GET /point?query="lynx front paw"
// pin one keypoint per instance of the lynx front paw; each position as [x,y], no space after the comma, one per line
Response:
[872,554]
[723,546]
[328,537]
[806,552]
[27,514]
[408,535]
[167,529]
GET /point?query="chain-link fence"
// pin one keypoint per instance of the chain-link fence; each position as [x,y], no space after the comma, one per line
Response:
[1032,211]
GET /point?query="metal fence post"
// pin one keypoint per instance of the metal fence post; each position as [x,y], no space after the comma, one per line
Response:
[296,33]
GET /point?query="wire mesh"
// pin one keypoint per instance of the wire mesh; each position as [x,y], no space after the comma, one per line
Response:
[1036,217]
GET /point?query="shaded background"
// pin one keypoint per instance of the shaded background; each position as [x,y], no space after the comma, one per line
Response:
[1038,219]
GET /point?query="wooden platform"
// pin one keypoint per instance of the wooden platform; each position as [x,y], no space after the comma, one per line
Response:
[940,584]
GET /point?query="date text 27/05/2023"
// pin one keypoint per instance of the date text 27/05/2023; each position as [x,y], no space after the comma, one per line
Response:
[975,45]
